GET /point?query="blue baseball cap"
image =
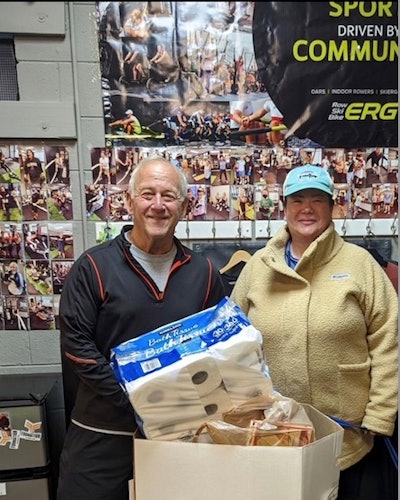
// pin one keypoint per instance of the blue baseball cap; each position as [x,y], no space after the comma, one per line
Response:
[307,177]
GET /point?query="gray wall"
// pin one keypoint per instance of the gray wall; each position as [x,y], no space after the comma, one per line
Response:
[60,104]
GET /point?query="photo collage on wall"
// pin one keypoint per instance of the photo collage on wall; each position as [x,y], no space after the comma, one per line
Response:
[245,183]
[36,234]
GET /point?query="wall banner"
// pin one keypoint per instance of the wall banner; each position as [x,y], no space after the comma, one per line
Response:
[294,74]
[331,67]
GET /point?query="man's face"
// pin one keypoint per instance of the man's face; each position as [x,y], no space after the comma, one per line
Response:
[156,206]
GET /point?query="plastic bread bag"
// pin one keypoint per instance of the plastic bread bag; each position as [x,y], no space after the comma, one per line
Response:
[263,421]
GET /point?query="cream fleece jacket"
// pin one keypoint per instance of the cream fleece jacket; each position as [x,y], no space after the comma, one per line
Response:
[329,330]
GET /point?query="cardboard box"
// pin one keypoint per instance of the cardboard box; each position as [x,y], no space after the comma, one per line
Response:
[171,470]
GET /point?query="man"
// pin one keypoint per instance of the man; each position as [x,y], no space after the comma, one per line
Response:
[267,205]
[32,169]
[15,280]
[329,326]
[379,163]
[131,124]
[253,115]
[130,285]
[97,202]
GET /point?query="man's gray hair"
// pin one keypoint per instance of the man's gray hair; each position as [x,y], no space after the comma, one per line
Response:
[158,159]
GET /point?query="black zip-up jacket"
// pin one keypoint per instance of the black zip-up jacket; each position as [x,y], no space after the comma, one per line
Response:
[109,298]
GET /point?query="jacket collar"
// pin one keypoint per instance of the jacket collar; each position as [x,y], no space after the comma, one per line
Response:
[182,254]
[321,250]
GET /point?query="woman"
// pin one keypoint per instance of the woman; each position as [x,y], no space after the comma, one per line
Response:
[328,315]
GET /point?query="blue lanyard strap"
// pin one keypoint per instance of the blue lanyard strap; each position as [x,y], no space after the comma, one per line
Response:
[392,452]
[388,443]
[346,424]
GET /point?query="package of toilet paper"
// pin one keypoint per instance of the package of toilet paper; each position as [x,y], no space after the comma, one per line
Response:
[164,346]
[182,374]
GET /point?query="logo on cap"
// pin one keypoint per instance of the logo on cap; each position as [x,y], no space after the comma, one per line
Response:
[307,176]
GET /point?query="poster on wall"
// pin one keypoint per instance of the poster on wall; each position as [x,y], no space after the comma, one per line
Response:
[332,67]
[36,234]
[278,74]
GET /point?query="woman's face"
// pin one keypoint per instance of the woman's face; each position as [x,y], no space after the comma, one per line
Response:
[308,213]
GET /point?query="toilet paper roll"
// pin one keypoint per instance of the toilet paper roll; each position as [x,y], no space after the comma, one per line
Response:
[204,374]
[243,383]
[216,402]
[160,402]
[246,344]
[152,431]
